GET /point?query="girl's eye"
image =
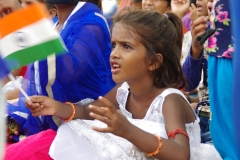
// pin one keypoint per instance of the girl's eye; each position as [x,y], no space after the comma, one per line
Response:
[127,46]
[113,46]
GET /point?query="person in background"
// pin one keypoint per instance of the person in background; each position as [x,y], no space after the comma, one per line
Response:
[136,4]
[159,6]
[195,68]
[220,50]
[83,72]
[52,10]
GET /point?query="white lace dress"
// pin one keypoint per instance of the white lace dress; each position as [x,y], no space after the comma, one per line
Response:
[76,140]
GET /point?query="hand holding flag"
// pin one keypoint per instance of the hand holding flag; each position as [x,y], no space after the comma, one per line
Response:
[27,35]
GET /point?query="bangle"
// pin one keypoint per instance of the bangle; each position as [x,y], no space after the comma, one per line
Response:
[158,148]
[177,131]
[72,115]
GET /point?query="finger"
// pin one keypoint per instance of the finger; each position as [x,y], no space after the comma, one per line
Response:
[103,130]
[37,99]
[193,6]
[31,105]
[100,118]
[199,20]
[37,111]
[108,104]
[200,29]
[102,111]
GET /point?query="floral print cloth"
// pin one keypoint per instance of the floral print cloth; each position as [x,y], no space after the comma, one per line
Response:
[220,43]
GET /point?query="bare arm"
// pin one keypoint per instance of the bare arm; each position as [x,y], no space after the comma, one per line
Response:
[42,105]
[174,114]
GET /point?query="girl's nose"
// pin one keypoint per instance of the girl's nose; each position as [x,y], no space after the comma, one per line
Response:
[114,54]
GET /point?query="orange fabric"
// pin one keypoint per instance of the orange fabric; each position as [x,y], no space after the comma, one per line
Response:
[31,14]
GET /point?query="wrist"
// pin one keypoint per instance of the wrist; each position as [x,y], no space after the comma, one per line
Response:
[196,52]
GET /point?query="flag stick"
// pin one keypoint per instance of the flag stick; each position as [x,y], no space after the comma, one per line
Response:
[12,78]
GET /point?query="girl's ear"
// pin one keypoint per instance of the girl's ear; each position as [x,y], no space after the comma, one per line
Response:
[52,12]
[155,64]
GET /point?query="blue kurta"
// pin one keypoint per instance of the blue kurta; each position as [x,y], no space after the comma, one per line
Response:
[83,72]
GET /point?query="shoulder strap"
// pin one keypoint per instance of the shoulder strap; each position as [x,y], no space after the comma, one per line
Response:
[168,91]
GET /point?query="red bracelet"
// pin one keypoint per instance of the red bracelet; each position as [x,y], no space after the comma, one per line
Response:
[158,148]
[72,115]
[177,131]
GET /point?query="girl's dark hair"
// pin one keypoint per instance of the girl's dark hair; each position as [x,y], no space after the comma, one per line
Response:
[169,2]
[159,34]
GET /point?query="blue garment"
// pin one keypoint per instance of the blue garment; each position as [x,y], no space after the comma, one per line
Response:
[192,70]
[220,81]
[55,19]
[236,66]
[3,69]
[83,72]
[220,91]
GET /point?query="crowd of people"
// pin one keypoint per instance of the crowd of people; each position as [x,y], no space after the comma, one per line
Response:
[123,89]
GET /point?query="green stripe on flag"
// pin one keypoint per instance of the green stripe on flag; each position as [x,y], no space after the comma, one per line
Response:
[34,53]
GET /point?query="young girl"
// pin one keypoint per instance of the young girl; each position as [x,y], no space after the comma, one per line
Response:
[149,118]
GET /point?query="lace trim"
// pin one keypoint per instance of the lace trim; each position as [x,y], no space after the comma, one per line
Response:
[115,147]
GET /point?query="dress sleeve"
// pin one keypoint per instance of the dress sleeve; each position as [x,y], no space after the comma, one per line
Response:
[192,70]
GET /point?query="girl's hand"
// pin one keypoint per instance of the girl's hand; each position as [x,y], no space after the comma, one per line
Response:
[116,122]
[41,105]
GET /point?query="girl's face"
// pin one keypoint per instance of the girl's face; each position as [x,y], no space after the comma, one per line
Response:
[202,9]
[160,6]
[128,57]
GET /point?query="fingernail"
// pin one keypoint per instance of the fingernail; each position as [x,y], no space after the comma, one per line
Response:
[90,106]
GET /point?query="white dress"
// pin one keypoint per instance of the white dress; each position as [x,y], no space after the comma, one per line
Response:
[76,140]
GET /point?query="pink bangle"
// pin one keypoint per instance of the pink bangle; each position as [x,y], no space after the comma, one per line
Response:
[72,115]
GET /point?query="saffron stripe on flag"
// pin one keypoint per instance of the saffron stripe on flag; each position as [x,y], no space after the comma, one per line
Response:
[33,34]
[29,55]
[31,14]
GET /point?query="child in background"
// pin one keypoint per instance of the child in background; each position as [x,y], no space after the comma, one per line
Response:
[136,4]
[159,6]
[196,64]
[52,10]
[149,118]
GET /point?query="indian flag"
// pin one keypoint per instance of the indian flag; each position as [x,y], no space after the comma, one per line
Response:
[27,35]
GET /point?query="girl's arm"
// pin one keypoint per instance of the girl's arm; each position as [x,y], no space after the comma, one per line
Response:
[42,105]
[174,115]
